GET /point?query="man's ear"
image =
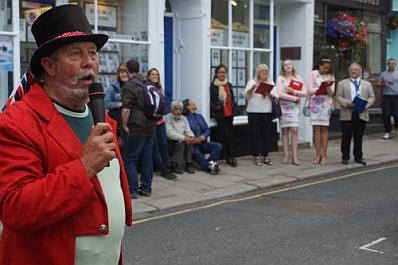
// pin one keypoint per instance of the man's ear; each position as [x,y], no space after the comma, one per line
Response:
[48,65]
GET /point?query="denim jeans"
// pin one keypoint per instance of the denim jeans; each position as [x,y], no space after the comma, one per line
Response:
[200,150]
[160,150]
[138,149]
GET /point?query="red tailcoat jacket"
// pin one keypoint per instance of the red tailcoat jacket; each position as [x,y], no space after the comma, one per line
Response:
[46,197]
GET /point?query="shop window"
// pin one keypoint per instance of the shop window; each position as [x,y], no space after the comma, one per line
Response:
[240,54]
[240,76]
[125,20]
[261,25]
[5,15]
[219,23]
[112,54]
[240,24]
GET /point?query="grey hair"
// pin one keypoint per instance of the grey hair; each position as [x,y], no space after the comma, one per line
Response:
[177,103]
[356,64]
[260,68]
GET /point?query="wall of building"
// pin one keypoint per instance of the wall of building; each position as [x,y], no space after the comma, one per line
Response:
[295,27]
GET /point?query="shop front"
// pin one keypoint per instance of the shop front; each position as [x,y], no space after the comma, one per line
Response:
[363,40]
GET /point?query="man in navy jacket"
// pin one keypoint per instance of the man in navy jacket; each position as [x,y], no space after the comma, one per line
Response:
[202,147]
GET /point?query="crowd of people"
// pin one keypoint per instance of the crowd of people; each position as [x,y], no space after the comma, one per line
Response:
[177,142]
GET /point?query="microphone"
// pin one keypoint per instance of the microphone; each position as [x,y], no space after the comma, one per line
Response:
[96,95]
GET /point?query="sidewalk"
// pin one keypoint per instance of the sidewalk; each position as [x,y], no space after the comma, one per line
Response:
[198,187]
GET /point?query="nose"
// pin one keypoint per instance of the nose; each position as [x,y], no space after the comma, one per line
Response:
[88,60]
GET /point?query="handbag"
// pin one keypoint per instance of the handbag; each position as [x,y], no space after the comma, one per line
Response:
[276,108]
[306,108]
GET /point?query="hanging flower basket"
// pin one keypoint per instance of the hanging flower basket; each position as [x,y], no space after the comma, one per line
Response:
[345,32]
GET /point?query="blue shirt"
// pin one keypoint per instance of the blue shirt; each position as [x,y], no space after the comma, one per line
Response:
[391,78]
[198,124]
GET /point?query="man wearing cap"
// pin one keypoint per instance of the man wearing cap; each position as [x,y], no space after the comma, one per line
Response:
[60,203]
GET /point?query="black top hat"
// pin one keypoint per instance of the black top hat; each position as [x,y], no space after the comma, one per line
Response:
[59,26]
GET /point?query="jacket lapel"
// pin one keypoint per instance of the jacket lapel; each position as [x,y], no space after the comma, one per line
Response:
[57,126]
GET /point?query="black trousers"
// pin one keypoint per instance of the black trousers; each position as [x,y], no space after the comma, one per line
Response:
[260,126]
[226,127]
[353,128]
[389,108]
[180,153]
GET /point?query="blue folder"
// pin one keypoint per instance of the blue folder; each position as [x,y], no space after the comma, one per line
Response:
[359,104]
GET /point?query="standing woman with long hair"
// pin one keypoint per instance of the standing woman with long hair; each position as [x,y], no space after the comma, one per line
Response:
[113,97]
[160,153]
[290,90]
[259,112]
[321,88]
[222,108]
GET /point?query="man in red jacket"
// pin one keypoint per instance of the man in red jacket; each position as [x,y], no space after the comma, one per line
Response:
[60,203]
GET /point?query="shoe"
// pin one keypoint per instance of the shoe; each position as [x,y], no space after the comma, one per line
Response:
[144,193]
[175,169]
[258,161]
[323,160]
[344,161]
[361,161]
[168,176]
[267,161]
[295,162]
[386,136]
[232,162]
[214,168]
[134,195]
[189,169]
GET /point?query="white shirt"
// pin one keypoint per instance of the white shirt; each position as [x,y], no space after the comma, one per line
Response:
[353,89]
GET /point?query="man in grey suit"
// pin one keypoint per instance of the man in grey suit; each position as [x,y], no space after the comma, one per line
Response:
[353,122]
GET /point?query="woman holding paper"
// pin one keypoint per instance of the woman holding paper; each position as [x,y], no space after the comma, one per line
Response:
[320,91]
[290,89]
[259,108]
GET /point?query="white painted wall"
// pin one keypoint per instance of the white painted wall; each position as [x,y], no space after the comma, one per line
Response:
[192,51]
[294,20]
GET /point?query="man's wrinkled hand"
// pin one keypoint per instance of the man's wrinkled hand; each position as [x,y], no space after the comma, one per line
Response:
[99,149]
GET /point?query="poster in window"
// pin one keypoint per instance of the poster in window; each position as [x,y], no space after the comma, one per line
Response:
[241,77]
[113,62]
[241,59]
[241,97]
[103,66]
[233,80]
[22,29]
[106,15]
[215,57]
[6,52]
[234,58]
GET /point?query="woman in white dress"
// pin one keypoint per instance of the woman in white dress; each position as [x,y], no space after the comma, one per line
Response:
[321,88]
[290,90]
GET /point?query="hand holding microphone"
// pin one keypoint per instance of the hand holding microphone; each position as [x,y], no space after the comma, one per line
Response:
[99,148]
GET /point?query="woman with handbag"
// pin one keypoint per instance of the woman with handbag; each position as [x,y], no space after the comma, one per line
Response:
[259,112]
[290,90]
[222,109]
[321,88]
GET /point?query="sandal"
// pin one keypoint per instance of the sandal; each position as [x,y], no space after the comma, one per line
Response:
[258,161]
[267,161]
[323,160]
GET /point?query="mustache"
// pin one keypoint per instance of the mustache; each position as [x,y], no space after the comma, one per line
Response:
[85,75]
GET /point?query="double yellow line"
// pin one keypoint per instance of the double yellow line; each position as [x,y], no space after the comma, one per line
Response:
[259,195]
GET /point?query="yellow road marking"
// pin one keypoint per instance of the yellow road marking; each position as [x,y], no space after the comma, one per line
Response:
[256,196]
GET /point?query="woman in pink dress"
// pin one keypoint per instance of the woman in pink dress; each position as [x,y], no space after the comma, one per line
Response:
[321,88]
[290,89]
